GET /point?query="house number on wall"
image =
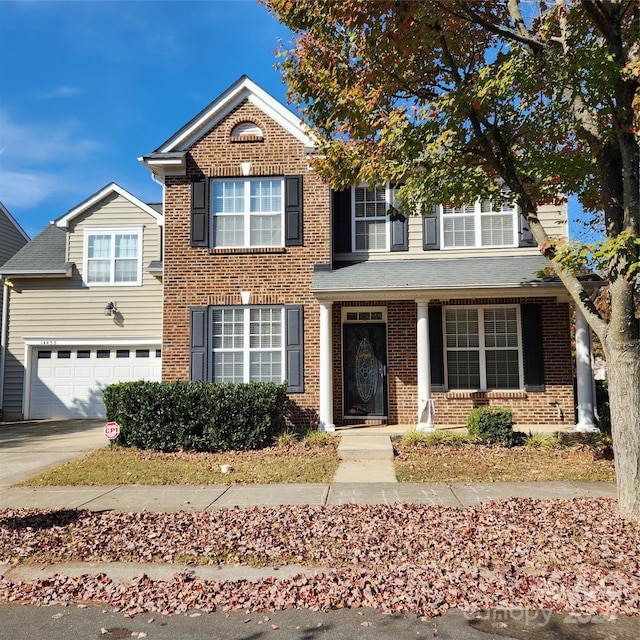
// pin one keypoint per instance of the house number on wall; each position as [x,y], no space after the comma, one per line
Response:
[49,342]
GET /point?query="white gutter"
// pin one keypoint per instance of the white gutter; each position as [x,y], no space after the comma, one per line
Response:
[3,337]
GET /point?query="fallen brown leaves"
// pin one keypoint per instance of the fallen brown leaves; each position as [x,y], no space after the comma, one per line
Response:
[562,555]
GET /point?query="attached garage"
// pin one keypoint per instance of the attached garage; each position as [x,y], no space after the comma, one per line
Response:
[67,381]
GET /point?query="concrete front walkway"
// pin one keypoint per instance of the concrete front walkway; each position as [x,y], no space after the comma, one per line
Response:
[365,458]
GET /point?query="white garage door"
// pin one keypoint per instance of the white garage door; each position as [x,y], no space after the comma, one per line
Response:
[67,382]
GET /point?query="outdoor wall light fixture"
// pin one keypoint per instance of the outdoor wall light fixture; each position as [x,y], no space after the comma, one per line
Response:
[110,308]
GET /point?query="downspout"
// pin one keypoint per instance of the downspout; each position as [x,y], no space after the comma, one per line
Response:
[3,336]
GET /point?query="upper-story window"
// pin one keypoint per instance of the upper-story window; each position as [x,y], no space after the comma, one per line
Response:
[371,228]
[113,256]
[248,212]
[483,224]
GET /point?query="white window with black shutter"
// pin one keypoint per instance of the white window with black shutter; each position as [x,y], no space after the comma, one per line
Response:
[248,344]
[482,225]
[485,348]
[366,220]
[256,212]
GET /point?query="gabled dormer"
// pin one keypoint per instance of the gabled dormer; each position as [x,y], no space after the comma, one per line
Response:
[106,241]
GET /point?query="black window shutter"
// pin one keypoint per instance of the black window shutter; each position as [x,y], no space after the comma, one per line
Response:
[342,221]
[200,212]
[532,346]
[294,348]
[526,237]
[293,211]
[198,344]
[399,232]
[436,347]
[430,235]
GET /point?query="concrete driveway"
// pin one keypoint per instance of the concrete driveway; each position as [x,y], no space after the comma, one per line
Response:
[28,447]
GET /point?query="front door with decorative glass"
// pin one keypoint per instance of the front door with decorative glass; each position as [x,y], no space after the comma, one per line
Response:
[365,366]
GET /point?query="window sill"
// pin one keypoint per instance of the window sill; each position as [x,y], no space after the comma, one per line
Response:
[246,251]
[489,395]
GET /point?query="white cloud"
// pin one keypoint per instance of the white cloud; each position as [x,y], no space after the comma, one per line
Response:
[26,188]
[62,92]
[42,142]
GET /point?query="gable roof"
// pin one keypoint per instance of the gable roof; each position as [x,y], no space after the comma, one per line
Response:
[44,256]
[106,191]
[13,221]
[169,157]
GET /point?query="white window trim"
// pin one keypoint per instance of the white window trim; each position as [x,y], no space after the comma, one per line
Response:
[246,213]
[246,349]
[477,217]
[113,231]
[482,349]
[389,200]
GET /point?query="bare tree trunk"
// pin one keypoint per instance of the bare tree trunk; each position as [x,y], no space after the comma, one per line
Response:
[623,368]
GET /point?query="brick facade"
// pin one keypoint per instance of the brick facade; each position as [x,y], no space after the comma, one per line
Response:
[199,276]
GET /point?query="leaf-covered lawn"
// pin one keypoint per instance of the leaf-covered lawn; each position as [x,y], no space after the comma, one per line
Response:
[562,555]
[469,463]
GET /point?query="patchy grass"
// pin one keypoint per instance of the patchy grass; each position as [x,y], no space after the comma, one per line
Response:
[476,463]
[435,457]
[298,462]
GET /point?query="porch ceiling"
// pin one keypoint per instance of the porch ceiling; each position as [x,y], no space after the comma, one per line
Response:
[436,278]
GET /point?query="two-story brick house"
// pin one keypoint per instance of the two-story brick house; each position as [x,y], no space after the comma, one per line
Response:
[370,316]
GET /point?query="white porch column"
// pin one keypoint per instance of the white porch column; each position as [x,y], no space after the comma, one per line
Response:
[326,368]
[584,375]
[425,403]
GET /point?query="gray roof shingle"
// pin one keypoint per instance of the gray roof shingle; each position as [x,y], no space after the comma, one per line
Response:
[433,274]
[44,255]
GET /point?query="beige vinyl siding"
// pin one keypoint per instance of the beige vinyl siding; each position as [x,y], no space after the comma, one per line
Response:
[50,308]
[555,220]
[11,240]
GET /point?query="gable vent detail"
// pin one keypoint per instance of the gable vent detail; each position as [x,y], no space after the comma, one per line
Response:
[246,131]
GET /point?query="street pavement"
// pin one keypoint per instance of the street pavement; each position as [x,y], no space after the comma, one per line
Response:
[70,623]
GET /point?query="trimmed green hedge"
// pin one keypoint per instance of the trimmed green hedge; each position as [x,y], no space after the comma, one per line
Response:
[492,425]
[196,416]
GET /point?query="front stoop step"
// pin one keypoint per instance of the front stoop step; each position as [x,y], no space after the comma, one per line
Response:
[365,459]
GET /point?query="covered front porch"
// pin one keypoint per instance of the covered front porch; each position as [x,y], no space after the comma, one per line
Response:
[386,361]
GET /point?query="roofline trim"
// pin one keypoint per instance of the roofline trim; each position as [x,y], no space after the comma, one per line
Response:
[112,187]
[444,292]
[65,272]
[14,222]
[243,89]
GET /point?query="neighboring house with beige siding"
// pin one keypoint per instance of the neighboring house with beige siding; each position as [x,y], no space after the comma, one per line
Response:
[12,239]
[85,308]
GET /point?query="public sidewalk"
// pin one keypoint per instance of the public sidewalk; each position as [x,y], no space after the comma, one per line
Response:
[131,498]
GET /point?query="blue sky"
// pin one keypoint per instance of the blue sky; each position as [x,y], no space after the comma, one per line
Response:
[86,87]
